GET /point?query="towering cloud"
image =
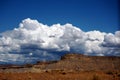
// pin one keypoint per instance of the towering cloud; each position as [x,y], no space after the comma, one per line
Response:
[35,41]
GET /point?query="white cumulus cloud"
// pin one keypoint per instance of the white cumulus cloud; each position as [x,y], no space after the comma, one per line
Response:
[33,41]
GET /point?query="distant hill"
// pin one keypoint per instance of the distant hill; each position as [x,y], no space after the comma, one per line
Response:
[71,67]
[81,62]
[75,62]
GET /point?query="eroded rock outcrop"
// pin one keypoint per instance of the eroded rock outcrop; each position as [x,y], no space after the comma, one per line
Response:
[71,62]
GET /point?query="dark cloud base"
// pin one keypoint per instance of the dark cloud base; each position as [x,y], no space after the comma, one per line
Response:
[34,41]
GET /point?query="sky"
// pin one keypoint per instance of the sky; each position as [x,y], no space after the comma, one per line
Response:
[41,30]
[89,15]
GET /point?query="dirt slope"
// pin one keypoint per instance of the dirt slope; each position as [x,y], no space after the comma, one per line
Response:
[70,67]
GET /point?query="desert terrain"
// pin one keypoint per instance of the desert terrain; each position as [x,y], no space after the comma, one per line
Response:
[70,67]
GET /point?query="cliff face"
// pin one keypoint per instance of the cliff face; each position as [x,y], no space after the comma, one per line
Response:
[80,62]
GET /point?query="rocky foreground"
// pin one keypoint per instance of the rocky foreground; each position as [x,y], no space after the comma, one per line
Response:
[70,67]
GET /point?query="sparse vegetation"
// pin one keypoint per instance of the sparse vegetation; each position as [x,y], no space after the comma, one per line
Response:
[28,65]
[64,73]
[96,77]
[118,75]
[109,72]
[58,76]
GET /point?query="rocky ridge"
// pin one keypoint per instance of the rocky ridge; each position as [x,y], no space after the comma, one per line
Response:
[69,62]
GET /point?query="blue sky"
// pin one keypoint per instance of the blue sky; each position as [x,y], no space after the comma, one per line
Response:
[89,15]
[32,42]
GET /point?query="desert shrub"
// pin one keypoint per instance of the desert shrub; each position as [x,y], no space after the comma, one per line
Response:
[5,79]
[118,75]
[28,65]
[63,73]
[96,77]
[29,78]
[109,72]
[3,68]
